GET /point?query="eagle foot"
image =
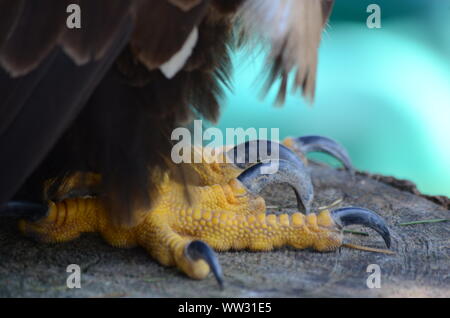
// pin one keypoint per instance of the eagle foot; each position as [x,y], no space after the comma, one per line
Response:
[222,213]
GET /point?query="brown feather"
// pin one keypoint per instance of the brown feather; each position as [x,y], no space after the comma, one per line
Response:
[10,15]
[23,50]
[327,9]
[227,6]
[100,22]
[162,29]
[27,36]
[185,5]
[123,132]
[293,30]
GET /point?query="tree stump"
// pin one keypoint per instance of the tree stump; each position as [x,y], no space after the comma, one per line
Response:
[420,266]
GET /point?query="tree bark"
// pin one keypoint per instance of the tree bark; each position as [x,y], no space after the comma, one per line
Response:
[420,266]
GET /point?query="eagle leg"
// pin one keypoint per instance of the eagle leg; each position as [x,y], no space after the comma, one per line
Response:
[181,232]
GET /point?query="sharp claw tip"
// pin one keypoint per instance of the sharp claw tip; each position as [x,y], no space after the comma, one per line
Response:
[221,284]
[314,143]
[355,215]
[387,240]
[201,250]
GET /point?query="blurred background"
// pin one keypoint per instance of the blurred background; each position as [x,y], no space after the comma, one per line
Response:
[383,93]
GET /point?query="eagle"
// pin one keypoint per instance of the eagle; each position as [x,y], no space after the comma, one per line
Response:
[90,93]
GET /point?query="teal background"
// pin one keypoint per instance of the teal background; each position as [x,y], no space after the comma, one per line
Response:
[383,93]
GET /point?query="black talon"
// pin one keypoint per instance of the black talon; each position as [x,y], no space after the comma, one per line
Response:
[28,210]
[256,178]
[197,250]
[254,151]
[354,215]
[308,144]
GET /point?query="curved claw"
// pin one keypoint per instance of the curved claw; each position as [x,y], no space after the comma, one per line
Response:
[308,144]
[355,215]
[256,178]
[197,250]
[255,151]
[19,209]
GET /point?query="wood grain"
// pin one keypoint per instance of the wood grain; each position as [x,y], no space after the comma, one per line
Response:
[420,267]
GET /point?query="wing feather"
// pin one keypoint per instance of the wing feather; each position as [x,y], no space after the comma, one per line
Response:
[30,30]
[101,20]
[38,106]
[22,51]
[10,13]
[59,117]
[162,29]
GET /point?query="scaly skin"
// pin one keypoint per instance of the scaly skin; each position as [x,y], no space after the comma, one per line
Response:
[221,213]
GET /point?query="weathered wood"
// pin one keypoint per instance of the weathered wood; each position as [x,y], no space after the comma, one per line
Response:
[420,266]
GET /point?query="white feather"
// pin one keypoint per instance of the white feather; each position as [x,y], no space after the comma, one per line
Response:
[293,29]
[177,61]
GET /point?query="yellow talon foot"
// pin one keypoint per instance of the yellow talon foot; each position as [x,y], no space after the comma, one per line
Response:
[224,211]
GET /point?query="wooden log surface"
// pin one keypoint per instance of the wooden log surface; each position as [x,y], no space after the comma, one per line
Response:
[419,268]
